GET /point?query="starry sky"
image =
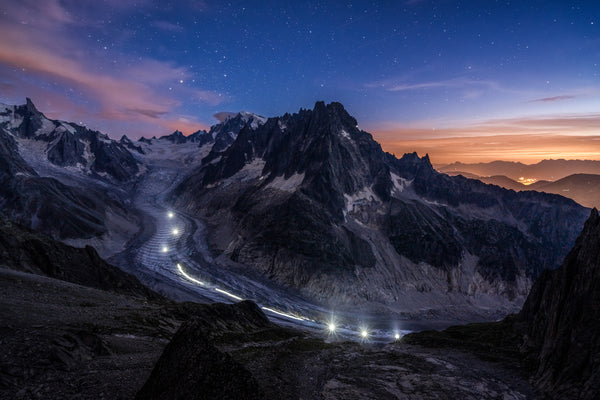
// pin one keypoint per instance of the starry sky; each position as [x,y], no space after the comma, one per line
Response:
[460,80]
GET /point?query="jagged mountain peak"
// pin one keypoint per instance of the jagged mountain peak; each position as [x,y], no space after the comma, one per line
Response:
[69,144]
[176,137]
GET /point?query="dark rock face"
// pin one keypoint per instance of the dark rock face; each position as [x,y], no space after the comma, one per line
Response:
[25,250]
[201,137]
[560,322]
[70,144]
[314,201]
[191,367]
[175,137]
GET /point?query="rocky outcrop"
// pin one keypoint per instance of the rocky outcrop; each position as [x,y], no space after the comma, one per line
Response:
[191,367]
[560,322]
[313,202]
[26,250]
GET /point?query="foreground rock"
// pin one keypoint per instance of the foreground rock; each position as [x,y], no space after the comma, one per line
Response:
[191,367]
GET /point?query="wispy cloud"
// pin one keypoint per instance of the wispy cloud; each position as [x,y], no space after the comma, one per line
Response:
[553,98]
[34,40]
[459,83]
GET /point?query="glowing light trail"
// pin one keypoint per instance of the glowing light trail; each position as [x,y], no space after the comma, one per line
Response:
[233,296]
[331,326]
[189,277]
[297,318]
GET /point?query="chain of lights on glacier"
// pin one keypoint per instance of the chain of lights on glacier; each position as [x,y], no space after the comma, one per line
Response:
[331,327]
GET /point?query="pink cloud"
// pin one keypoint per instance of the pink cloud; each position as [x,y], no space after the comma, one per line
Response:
[34,44]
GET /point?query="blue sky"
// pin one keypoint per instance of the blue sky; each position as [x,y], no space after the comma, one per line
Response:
[407,70]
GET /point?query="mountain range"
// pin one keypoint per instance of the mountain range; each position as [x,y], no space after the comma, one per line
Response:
[306,201]
[313,202]
[545,170]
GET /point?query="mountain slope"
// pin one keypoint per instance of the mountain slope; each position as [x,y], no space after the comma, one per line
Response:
[64,180]
[312,202]
[29,251]
[583,188]
[560,321]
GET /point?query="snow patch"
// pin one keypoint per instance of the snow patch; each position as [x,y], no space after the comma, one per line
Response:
[12,120]
[400,184]
[250,171]
[345,134]
[362,197]
[287,185]
[255,119]
[47,127]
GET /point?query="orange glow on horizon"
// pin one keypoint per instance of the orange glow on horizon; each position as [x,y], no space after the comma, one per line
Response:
[526,148]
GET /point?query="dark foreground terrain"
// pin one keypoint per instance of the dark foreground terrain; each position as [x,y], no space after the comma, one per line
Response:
[64,340]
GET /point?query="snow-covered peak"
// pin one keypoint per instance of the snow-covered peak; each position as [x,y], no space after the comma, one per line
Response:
[245,116]
[254,119]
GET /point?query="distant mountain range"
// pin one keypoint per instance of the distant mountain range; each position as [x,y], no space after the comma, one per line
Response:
[545,170]
[583,188]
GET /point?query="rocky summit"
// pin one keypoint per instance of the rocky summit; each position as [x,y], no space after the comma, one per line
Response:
[312,202]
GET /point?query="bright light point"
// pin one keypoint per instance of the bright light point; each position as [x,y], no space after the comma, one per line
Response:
[397,336]
[364,333]
[165,249]
[175,231]
[170,214]
[331,327]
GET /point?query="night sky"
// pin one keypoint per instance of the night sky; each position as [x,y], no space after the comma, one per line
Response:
[461,80]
